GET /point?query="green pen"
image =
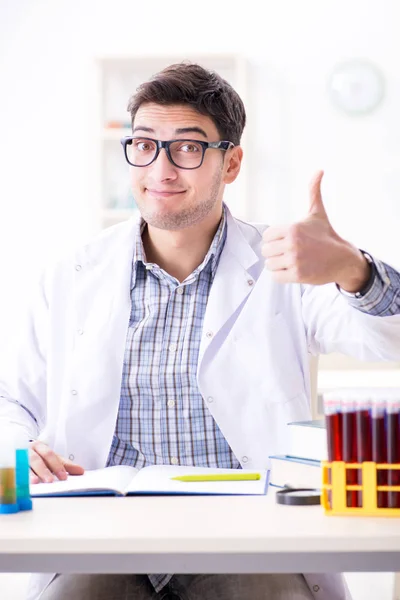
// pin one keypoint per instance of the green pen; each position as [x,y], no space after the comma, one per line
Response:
[222,477]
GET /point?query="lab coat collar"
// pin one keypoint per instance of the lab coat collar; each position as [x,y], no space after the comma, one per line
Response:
[237,244]
[122,237]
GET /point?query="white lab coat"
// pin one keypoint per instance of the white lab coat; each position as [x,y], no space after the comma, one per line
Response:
[253,369]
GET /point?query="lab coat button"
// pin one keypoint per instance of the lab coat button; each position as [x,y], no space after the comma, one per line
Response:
[245,459]
[80,331]
[78,267]
[174,461]
[315,588]
[250,282]
[74,392]
[209,334]
[71,457]
[210,399]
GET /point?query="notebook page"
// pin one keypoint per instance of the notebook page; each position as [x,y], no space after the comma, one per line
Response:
[112,478]
[157,479]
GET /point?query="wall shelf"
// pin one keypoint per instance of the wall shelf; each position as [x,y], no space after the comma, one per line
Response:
[117,79]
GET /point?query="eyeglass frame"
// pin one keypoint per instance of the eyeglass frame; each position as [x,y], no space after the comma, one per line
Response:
[221,145]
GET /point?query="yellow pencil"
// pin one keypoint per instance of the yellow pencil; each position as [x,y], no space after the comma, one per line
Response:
[222,477]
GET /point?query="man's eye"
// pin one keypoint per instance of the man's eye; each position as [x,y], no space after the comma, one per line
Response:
[189,148]
[143,146]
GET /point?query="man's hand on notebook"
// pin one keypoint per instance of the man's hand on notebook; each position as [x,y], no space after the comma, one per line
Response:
[46,465]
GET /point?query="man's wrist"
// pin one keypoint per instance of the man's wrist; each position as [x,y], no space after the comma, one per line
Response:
[368,284]
[358,272]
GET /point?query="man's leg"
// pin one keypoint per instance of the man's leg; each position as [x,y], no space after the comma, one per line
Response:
[240,587]
[99,587]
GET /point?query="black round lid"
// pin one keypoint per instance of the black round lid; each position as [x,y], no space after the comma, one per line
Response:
[299,496]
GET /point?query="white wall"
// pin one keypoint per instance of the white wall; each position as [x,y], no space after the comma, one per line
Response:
[47,100]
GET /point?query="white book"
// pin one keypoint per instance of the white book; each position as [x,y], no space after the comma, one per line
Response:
[308,440]
[295,472]
[123,480]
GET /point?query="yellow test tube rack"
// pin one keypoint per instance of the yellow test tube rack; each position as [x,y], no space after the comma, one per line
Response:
[335,488]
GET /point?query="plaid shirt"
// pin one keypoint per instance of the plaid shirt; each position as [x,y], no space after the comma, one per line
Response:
[162,417]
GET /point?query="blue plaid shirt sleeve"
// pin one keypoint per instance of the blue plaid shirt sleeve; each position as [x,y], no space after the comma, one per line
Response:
[382,298]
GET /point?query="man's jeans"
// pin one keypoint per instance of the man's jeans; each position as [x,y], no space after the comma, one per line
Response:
[180,587]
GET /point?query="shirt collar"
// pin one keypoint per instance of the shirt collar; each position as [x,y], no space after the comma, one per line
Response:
[212,257]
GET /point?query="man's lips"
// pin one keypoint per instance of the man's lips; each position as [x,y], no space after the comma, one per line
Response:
[164,193]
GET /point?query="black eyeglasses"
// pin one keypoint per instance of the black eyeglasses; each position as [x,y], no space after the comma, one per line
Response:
[184,154]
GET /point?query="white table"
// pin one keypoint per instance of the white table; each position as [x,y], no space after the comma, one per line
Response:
[192,534]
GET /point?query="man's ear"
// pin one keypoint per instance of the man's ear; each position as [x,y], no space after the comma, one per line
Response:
[233,163]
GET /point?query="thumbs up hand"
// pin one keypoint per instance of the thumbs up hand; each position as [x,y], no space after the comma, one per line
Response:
[310,251]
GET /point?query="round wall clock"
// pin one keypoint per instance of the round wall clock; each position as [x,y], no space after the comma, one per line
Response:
[356,87]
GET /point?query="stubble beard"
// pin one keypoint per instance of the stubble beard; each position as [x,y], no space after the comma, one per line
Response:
[188,216]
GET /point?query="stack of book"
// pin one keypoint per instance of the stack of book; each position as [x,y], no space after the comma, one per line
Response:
[301,466]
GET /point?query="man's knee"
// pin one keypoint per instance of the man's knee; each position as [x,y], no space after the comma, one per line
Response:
[97,587]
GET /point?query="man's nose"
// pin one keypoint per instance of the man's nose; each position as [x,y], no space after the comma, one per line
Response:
[162,168]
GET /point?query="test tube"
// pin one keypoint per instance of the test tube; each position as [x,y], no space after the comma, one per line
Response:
[349,448]
[8,491]
[22,474]
[364,433]
[334,427]
[379,444]
[392,444]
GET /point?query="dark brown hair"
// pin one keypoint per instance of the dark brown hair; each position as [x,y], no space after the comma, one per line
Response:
[203,90]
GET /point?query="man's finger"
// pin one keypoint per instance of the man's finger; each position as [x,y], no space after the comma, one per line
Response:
[316,206]
[274,233]
[278,263]
[275,248]
[285,275]
[40,468]
[50,458]
[71,468]
[34,478]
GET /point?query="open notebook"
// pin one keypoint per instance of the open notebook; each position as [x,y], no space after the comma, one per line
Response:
[156,479]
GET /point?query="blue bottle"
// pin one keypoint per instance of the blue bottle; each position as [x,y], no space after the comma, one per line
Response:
[22,475]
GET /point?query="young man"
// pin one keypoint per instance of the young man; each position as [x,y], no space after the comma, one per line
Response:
[184,338]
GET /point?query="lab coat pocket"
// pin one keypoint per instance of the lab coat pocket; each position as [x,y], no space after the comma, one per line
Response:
[267,352]
[278,415]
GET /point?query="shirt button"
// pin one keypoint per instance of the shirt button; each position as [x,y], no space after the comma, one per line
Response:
[172,347]
[250,282]
[174,461]
[245,459]
[71,457]
[315,588]
[78,267]
[209,334]
[210,399]
[74,392]
[180,291]
[171,403]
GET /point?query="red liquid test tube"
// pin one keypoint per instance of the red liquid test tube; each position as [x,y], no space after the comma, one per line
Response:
[349,448]
[393,446]
[364,435]
[379,444]
[334,429]
[333,420]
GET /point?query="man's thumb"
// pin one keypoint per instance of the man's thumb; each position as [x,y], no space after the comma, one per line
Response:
[316,206]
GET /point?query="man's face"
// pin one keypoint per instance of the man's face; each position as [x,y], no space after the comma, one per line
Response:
[169,197]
